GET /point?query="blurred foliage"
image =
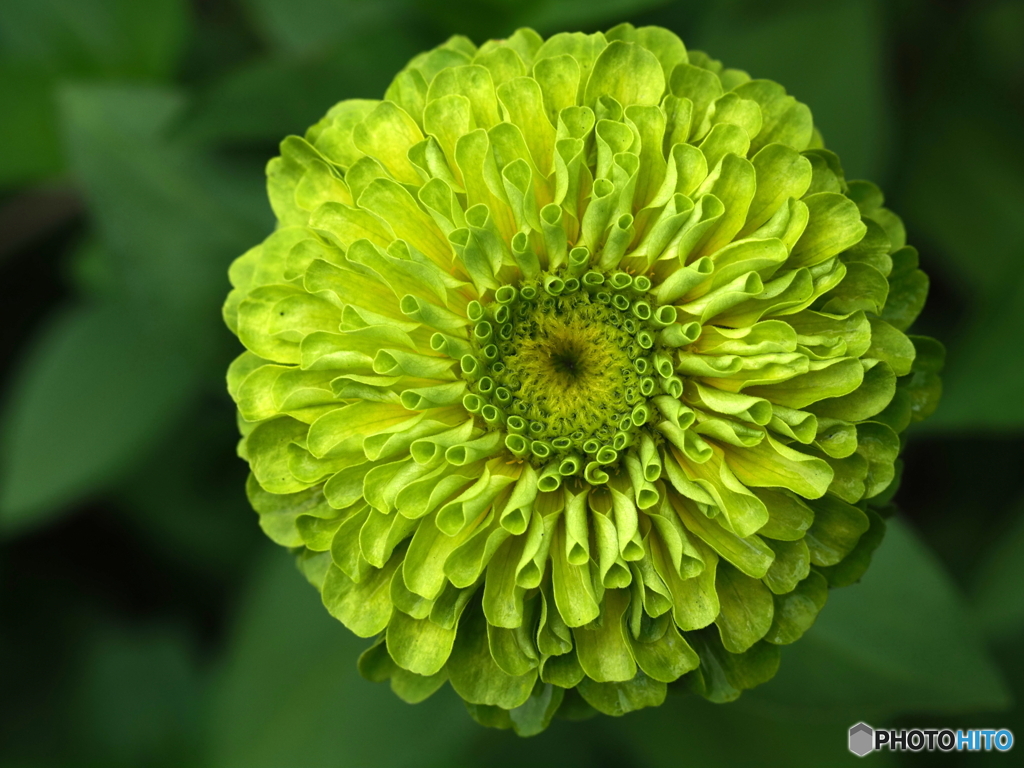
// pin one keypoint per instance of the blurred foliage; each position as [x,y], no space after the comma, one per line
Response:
[146,621]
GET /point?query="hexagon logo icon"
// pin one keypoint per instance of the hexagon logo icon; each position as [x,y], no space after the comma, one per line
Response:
[862,739]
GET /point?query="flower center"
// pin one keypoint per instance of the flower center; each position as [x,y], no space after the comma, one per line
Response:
[569,368]
[563,365]
[568,360]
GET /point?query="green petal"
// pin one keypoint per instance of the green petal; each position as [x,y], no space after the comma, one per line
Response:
[412,688]
[503,63]
[791,565]
[731,109]
[427,494]
[694,600]
[489,717]
[450,604]
[416,606]
[604,650]
[784,120]
[723,676]
[358,419]
[879,445]
[854,328]
[363,607]
[584,49]
[870,398]
[744,256]
[318,532]
[334,140]
[430,63]
[773,464]
[375,664]
[535,714]
[850,569]
[908,289]
[833,227]
[380,534]
[559,79]
[863,287]
[319,185]
[649,122]
[750,409]
[796,611]
[279,513]
[617,699]
[572,586]
[345,550]
[682,554]
[666,659]
[724,139]
[408,90]
[872,250]
[698,85]
[346,487]
[850,473]
[829,379]
[837,528]
[788,516]
[472,502]
[513,649]
[423,567]
[749,553]
[476,677]
[395,205]
[524,104]
[627,73]
[781,173]
[827,171]
[475,84]
[733,182]
[467,562]
[799,425]
[742,512]
[503,597]
[563,670]
[419,645]
[891,346]
[347,224]
[746,609]
[661,42]
[267,447]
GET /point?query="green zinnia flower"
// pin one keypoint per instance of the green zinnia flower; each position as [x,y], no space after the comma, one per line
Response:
[573,370]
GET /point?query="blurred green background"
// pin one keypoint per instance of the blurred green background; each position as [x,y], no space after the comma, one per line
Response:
[145,620]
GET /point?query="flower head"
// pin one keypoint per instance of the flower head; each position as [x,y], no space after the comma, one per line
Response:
[573,370]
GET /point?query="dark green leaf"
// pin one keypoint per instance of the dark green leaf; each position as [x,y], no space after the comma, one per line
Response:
[971,208]
[45,41]
[29,141]
[824,54]
[999,594]
[901,640]
[139,696]
[95,38]
[551,16]
[301,26]
[268,98]
[291,695]
[985,374]
[171,219]
[687,731]
[93,394]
